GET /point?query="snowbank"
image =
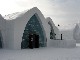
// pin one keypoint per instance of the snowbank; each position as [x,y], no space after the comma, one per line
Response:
[62,43]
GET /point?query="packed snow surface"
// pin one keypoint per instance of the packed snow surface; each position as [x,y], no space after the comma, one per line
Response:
[47,53]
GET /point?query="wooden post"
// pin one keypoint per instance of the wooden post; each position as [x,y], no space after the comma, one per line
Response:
[61,36]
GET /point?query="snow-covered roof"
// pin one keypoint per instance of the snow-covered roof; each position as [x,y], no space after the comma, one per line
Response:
[14,15]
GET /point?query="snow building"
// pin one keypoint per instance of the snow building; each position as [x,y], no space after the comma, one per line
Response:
[76,33]
[27,29]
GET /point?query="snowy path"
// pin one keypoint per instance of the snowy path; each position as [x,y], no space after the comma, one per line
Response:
[47,53]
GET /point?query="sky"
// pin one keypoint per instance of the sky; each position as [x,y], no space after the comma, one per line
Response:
[63,12]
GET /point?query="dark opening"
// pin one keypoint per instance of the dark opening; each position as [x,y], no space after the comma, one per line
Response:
[33,41]
[0,41]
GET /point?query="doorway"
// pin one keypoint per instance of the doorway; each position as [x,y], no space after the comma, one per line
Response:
[33,41]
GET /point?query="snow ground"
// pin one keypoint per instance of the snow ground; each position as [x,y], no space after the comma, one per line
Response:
[47,53]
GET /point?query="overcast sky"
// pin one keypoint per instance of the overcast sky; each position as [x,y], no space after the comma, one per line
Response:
[63,12]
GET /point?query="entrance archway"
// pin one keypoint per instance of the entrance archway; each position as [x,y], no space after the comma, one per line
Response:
[52,33]
[33,31]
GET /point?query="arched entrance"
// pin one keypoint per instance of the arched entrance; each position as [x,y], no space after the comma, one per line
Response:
[33,36]
[52,33]
[0,39]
